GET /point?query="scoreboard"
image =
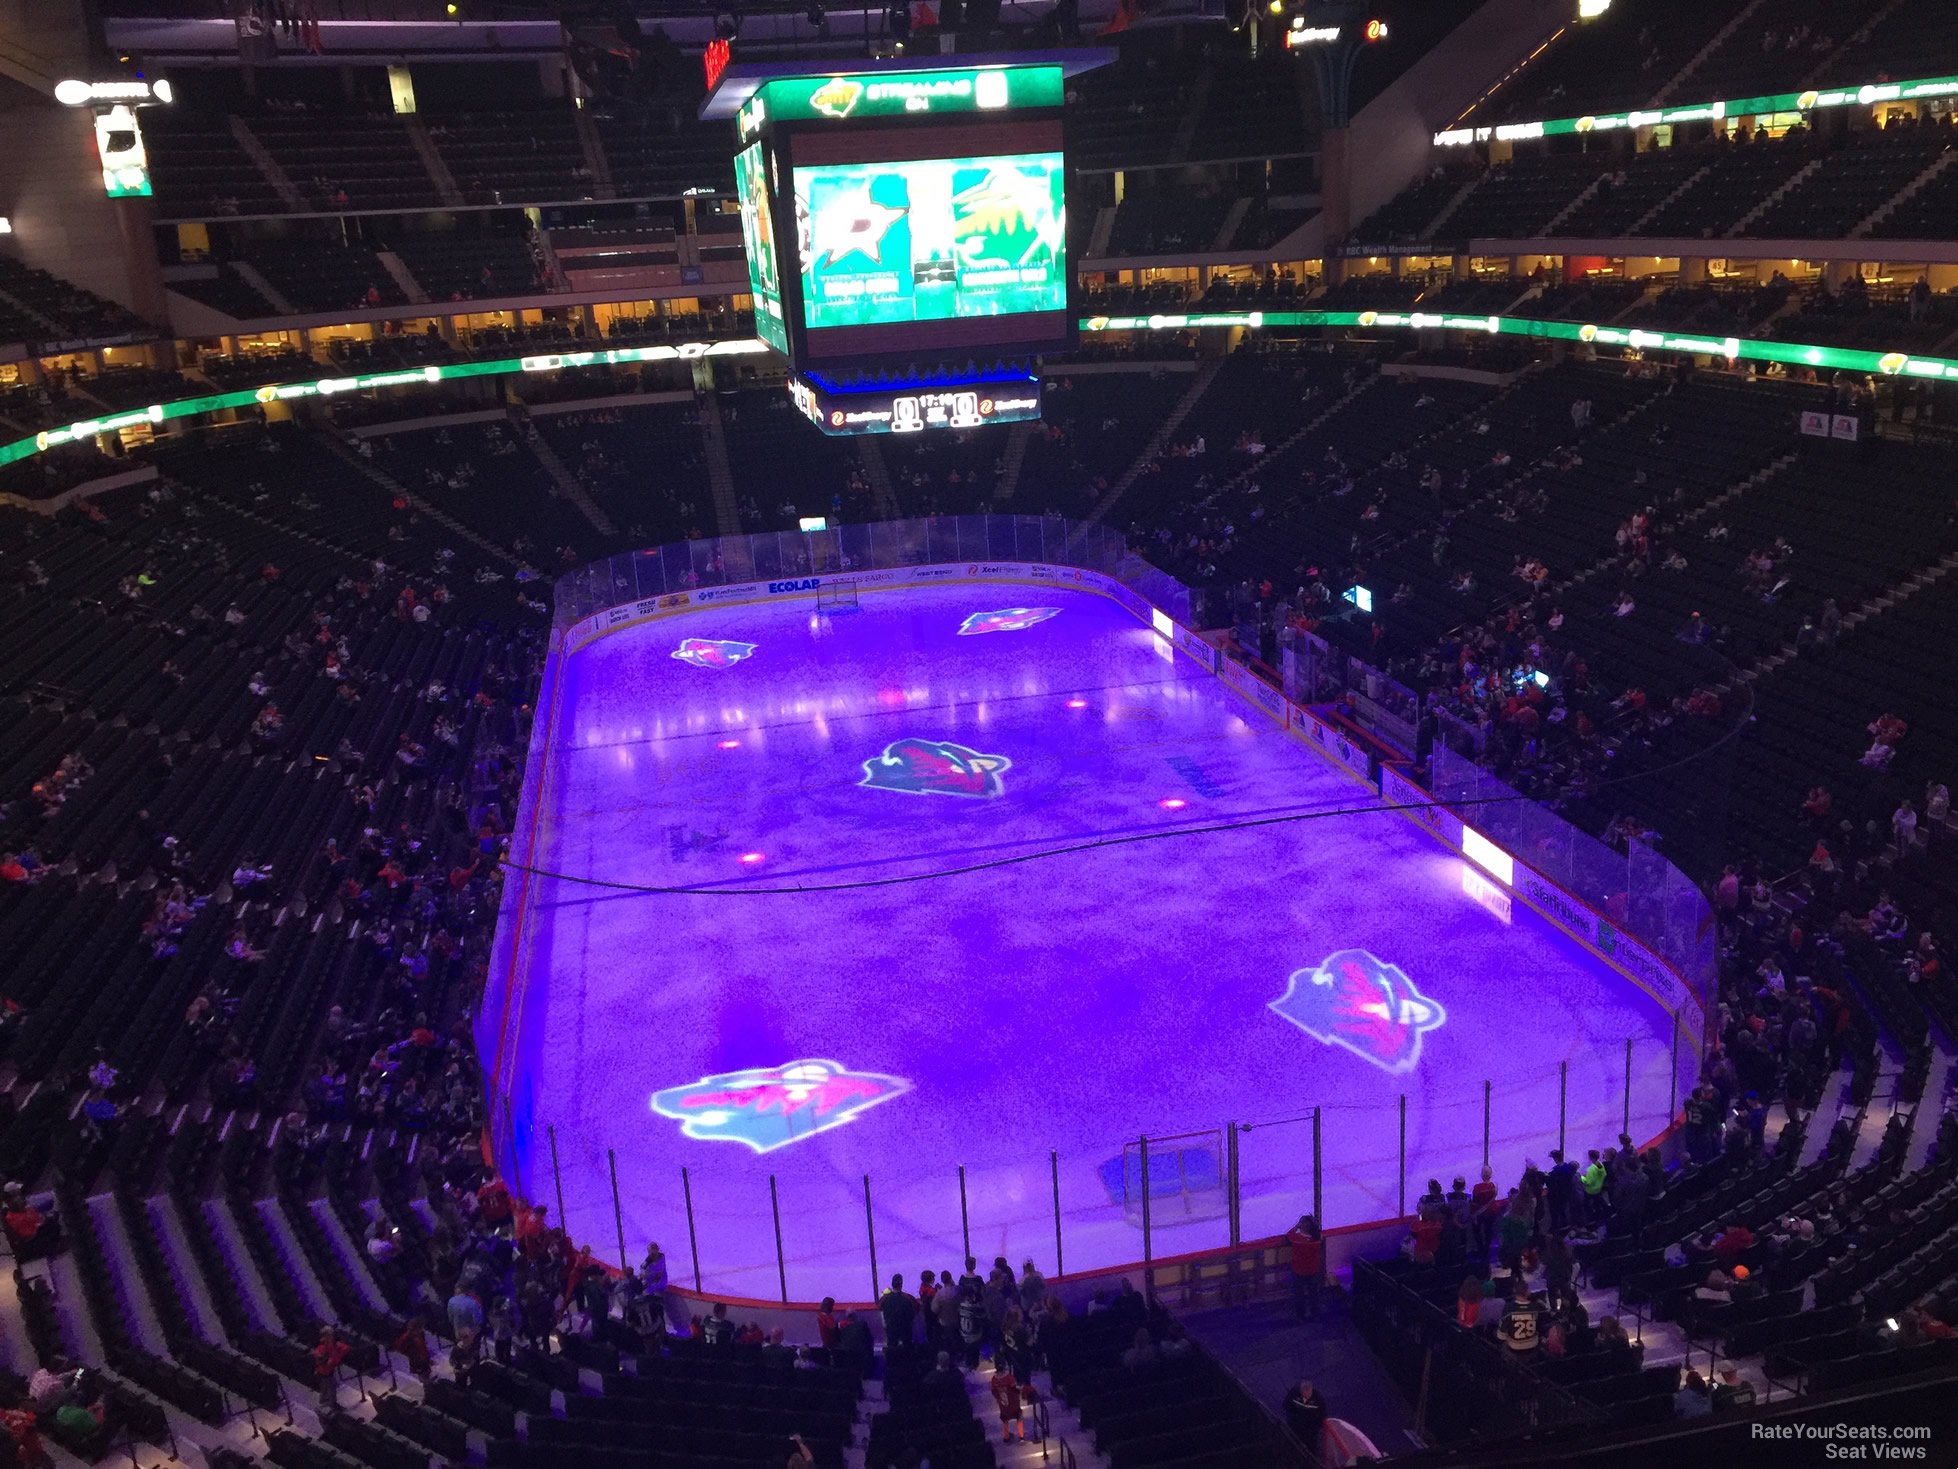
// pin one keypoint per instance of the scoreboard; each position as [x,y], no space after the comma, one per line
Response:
[899,216]
[913,410]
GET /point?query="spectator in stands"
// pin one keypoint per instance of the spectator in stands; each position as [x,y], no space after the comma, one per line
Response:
[1461,1209]
[853,1344]
[1631,1191]
[927,1292]
[1733,1241]
[329,1352]
[52,1386]
[1468,1302]
[717,1330]
[1930,1327]
[1142,1353]
[383,1240]
[1424,1237]
[1305,1414]
[465,1315]
[900,1312]
[1015,1346]
[1513,1231]
[1009,1392]
[1903,828]
[972,1321]
[1486,1204]
[25,1434]
[1033,1288]
[31,1235]
[943,1377]
[1560,1190]
[1559,1269]
[1694,1398]
[945,1307]
[1519,1327]
[1308,1265]
[1592,1180]
[78,1426]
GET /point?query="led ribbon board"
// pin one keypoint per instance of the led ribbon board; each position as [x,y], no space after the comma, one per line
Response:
[1733,349]
[1867,95]
[324,387]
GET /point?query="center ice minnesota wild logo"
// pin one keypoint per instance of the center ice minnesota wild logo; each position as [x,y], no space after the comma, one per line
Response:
[935,768]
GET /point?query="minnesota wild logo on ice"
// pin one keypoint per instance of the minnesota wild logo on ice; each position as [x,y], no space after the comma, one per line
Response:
[712,652]
[768,1107]
[1370,1007]
[935,768]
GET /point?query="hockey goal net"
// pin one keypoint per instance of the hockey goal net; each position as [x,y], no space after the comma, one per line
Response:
[837,596]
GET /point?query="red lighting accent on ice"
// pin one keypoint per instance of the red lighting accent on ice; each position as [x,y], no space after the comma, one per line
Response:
[1077,703]
[1172,803]
[729,745]
[751,858]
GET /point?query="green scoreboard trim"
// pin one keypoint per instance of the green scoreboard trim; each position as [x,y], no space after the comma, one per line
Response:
[853,96]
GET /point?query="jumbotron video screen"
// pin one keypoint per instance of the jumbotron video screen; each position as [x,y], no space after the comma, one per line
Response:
[903,215]
[758,237]
[931,239]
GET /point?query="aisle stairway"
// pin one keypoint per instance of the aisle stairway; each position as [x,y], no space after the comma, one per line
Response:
[1199,385]
[568,483]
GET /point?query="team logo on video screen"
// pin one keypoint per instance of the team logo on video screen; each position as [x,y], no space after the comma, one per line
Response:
[1007,619]
[769,1107]
[935,768]
[712,652]
[1370,1007]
